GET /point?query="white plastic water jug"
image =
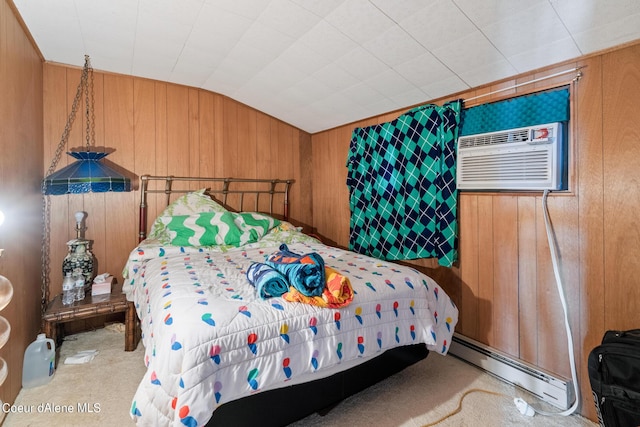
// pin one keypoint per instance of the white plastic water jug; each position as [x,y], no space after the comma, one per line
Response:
[39,362]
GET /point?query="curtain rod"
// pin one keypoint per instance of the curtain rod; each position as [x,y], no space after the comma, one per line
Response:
[576,78]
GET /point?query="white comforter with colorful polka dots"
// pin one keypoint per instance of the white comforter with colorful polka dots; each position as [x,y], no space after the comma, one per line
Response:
[210,339]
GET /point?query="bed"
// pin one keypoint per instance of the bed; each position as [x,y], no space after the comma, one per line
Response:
[220,350]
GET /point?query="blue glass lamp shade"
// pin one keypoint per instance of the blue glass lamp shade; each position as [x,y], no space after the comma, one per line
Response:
[87,174]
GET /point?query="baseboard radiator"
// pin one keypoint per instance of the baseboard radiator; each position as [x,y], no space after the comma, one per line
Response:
[551,389]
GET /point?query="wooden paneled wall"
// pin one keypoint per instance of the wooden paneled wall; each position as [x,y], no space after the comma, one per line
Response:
[160,128]
[504,282]
[20,200]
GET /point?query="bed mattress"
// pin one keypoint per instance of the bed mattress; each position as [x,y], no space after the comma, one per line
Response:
[210,339]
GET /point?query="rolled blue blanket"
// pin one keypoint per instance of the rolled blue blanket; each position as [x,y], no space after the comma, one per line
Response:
[304,272]
[268,281]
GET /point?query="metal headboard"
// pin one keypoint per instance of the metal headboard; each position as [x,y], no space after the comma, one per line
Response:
[223,187]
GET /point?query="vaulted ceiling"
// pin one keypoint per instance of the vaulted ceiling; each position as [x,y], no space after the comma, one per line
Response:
[317,64]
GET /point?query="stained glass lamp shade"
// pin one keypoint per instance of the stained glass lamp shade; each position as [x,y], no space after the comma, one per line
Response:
[86,174]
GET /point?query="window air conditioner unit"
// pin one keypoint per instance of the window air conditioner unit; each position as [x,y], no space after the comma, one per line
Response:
[528,158]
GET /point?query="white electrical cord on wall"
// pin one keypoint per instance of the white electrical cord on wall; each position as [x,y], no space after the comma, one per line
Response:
[523,406]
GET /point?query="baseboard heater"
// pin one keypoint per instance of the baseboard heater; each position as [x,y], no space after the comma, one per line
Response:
[556,391]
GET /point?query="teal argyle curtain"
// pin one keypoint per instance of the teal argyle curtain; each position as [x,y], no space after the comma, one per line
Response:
[402,189]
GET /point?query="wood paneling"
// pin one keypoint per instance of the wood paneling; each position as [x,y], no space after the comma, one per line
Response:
[21,129]
[505,277]
[468,261]
[505,285]
[621,185]
[588,154]
[166,129]
[486,264]
[321,191]
[527,280]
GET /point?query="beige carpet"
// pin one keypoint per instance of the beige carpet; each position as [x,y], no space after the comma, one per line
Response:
[421,394]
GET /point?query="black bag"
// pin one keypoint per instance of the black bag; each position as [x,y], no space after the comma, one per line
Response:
[614,373]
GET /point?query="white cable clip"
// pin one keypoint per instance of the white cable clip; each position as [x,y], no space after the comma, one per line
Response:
[524,407]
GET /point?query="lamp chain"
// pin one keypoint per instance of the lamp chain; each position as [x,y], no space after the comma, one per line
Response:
[46,202]
[89,104]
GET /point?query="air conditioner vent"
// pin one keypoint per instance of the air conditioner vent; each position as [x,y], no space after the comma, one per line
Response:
[518,159]
[520,135]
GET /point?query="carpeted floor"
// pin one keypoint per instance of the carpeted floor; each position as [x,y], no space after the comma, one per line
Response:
[99,394]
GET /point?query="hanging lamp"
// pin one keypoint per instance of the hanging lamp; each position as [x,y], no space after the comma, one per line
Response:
[87,174]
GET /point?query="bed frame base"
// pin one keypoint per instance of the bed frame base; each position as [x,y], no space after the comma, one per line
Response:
[283,406]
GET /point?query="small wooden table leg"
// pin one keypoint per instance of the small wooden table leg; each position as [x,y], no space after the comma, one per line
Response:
[50,330]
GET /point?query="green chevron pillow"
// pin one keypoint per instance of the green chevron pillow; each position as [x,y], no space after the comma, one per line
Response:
[189,204]
[217,228]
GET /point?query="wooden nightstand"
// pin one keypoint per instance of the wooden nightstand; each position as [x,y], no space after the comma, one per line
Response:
[93,306]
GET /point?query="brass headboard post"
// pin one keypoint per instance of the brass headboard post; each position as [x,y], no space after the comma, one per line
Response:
[142,220]
[286,198]
[223,188]
[271,191]
[167,189]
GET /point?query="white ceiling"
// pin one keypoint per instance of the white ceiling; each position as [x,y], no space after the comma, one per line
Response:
[317,64]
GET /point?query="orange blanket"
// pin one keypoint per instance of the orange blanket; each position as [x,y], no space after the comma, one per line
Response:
[337,292]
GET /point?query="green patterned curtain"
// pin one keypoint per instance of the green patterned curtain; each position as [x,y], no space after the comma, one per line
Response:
[529,110]
[402,189]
